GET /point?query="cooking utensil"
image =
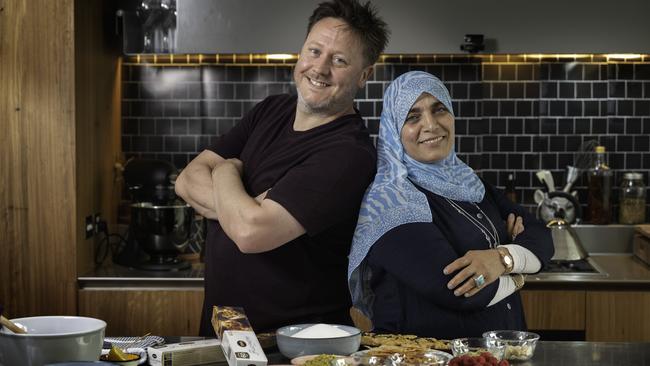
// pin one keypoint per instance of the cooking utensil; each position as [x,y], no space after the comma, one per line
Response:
[546,178]
[572,174]
[565,241]
[559,205]
[11,326]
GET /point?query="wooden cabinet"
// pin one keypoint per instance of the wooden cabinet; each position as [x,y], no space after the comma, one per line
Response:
[604,316]
[618,316]
[133,312]
[554,310]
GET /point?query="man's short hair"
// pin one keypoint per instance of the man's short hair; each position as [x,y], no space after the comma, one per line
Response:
[363,20]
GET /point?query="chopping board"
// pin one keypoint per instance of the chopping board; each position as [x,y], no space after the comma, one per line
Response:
[641,243]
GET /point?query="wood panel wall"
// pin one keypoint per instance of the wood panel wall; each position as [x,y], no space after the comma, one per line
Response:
[134,313]
[37,148]
[43,152]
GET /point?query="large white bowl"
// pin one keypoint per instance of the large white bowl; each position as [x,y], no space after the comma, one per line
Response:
[52,339]
[292,347]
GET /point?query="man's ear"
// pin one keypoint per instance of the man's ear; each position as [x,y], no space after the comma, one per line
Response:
[365,75]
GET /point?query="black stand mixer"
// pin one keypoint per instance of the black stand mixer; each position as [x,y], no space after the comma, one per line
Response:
[160,222]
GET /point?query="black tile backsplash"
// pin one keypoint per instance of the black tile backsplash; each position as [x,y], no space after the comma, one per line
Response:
[514,113]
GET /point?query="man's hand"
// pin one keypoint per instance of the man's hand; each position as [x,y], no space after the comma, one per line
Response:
[474,263]
[515,226]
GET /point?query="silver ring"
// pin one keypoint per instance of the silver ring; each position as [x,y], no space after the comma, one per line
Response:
[479,280]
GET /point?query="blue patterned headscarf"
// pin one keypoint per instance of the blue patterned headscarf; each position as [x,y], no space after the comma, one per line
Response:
[392,199]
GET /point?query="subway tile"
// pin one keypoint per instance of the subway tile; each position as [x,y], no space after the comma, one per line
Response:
[139,143]
[506,143]
[515,126]
[574,71]
[642,71]
[285,74]
[491,72]
[208,126]
[567,90]
[642,107]
[583,90]
[532,90]
[523,144]
[591,72]
[591,108]
[126,143]
[373,125]
[233,109]
[625,108]
[641,143]
[155,143]
[616,125]
[499,90]
[625,72]
[633,161]
[573,143]
[515,90]
[524,108]
[565,126]
[531,126]
[599,125]
[361,94]
[582,125]
[646,126]
[435,70]
[574,108]
[367,109]
[498,161]
[634,89]
[225,91]
[468,108]
[275,88]
[242,91]
[478,127]
[376,90]
[563,160]
[508,72]
[459,91]
[531,162]
[475,90]
[557,143]
[557,71]
[460,126]
[549,125]
[599,90]
[147,126]
[467,144]
[259,91]
[506,108]
[157,109]
[558,108]
[130,126]
[490,108]
[624,143]
[490,143]
[549,89]
[469,73]
[498,126]
[633,126]
[616,89]
[525,72]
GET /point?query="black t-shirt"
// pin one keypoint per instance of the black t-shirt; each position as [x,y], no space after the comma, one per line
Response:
[411,294]
[319,176]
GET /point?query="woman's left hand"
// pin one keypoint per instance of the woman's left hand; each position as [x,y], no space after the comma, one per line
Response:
[472,265]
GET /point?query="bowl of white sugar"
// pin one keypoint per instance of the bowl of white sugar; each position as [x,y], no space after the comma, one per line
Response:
[313,339]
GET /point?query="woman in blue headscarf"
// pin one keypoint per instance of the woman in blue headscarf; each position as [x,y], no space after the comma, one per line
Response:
[433,253]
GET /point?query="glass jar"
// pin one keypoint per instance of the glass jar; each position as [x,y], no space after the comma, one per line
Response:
[632,202]
[599,207]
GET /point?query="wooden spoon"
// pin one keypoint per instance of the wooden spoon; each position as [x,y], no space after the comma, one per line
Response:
[12,327]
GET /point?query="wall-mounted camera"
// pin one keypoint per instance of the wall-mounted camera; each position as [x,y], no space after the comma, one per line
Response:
[473,43]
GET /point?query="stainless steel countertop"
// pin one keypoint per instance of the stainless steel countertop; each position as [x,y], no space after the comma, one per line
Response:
[589,354]
[619,268]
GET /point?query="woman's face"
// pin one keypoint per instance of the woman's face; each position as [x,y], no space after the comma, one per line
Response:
[428,132]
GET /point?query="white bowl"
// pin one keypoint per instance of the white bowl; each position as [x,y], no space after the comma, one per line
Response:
[51,339]
[292,347]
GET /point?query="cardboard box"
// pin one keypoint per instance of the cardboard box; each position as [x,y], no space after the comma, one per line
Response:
[199,352]
[229,318]
[241,348]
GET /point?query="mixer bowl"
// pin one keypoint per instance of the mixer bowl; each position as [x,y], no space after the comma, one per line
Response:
[161,230]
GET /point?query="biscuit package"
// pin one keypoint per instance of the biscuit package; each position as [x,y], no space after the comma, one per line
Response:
[229,318]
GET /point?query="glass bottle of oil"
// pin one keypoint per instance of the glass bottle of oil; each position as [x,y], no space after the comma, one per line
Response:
[599,206]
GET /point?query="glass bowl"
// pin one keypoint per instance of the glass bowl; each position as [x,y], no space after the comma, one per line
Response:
[413,358]
[476,346]
[519,345]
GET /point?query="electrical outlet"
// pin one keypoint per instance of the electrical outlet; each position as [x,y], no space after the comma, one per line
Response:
[90,226]
[97,220]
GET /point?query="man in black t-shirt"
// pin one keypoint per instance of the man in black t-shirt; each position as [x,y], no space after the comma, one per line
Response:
[284,186]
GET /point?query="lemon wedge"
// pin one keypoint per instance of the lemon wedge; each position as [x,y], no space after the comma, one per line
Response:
[116,354]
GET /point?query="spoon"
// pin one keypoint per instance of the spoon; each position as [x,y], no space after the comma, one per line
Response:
[12,327]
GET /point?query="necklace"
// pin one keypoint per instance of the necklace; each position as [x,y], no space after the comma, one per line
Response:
[491,236]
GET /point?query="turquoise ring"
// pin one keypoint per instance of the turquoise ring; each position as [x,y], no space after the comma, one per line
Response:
[479,280]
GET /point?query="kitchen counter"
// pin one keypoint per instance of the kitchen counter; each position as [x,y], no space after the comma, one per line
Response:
[553,354]
[615,269]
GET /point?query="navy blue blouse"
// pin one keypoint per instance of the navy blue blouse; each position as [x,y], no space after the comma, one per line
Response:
[411,294]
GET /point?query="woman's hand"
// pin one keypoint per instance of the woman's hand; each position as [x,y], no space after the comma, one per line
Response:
[470,267]
[515,226]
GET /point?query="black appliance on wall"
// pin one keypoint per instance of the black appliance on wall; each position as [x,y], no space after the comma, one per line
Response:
[160,221]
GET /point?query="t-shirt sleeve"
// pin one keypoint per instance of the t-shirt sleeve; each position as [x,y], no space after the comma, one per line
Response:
[415,254]
[327,187]
[536,237]
[231,144]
